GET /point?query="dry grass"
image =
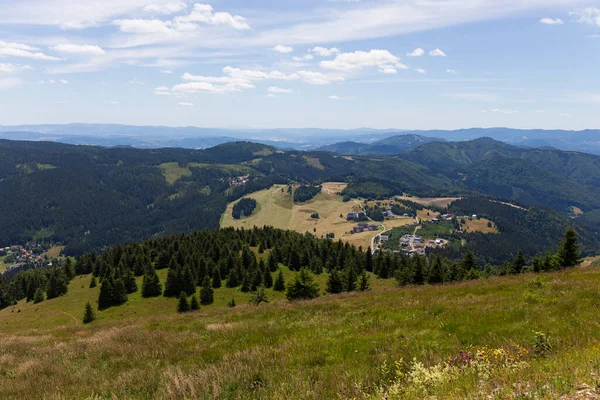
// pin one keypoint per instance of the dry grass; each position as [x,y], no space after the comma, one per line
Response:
[479,225]
[441,202]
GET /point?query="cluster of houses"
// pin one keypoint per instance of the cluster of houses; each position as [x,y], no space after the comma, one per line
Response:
[22,255]
[365,227]
[238,181]
[413,244]
[355,216]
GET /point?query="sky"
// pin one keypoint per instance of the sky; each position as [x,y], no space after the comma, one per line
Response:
[401,64]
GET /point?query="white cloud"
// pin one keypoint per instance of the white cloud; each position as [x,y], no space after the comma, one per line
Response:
[24,51]
[283,49]
[271,95]
[64,81]
[589,15]
[206,14]
[478,97]
[551,21]
[163,91]
[501,111]
[86,49]
[113,102]
[421,70]
[136,82]
[186,104]
[451,71]
[564,115]
[166,8]
[437,53]
[305,57]
[166,71]
[77,25]
[337,98]
[275,89]
[6,83]
[11,68]
[324,52]
[144,26]
[416,53]
[382,59]
[318,78]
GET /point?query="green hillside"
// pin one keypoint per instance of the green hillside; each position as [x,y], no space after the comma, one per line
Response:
[341,346]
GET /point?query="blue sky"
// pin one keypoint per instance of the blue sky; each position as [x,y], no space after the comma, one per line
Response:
[406,64]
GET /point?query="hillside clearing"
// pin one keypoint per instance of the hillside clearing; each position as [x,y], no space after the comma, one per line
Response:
[441,202]
[318,349]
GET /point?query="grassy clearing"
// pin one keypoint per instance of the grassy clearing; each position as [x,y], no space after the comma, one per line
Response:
[480,225]
[318,349]
[173,172]
[54,252]
[276,208]
[441,202]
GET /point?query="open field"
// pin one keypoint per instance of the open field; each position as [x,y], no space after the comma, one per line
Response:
[319,349]
[479,225]
[173,172]
[441,202]
[276,208]
[54,252]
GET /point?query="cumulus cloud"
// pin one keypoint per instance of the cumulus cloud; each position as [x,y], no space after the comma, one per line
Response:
[437,53]
[144,26]
[337,98]
[23,51]
[283,49]
[275,89]
[501,111]
[589,15]
[318,78]
[12,68]
[551,21]
[205,13]
[451,71]
[186,104]
[325,52]
[305,57]
[418,52]
[86,49]
[421,70]
[382,59]
[165,8]
[64,81]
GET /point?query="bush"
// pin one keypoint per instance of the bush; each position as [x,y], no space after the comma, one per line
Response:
[542,345]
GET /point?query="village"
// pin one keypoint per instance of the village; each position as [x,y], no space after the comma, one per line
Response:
[31,254]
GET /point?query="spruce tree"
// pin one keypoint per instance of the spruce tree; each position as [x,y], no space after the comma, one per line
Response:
[272,263]
[93,282]
[364,283]
[69,269]
[88,315]
[256,281]
[38,297]
[188,281]
[519,262]
[173,284]
[119,295]
[231,304]
[568,254]
[216,279]
[129,281]
[183,305]
[267,278]
[151,286]
[279,285]
[207,292]
[105,297]
[436,274]
[349,278]
[369,260]
[419,273]
[302,287]
[335,284]
[57,284]
[232,279]
[245,288]
[194,303]
[259,297]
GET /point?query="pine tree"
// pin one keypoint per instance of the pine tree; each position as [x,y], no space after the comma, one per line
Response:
[568,254]
[519,262]
[194,304]
[436,274]
[88,315]
[335,284]
[419,273]
[38,297]
[129,281]
[119,295]
[231,304]
[207,292]
[151,286]
[272,263]
[188,281]
[364,283]
[245,288]
[369,260]
[259,297]
[256,281]
[93,282]
[279,285]
[173,284]
[57,284]
[69,269]
[302,287]
[183,305]
[216,279]
[232,279]
[349,278]
[267,278]
[105,296]
[468,263]
[295,263]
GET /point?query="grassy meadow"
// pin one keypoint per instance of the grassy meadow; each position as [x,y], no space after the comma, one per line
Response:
[386,342]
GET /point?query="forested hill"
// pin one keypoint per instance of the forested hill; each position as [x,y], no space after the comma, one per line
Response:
[389,146]
[89,197]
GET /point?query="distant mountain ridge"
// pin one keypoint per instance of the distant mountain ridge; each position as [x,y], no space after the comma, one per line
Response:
[389,146]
